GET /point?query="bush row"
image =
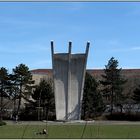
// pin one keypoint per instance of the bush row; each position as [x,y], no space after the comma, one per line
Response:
[123,116]
[2,123]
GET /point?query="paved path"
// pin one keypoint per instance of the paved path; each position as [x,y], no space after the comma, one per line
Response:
[74,123]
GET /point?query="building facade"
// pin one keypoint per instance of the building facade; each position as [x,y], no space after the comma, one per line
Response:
[132,76]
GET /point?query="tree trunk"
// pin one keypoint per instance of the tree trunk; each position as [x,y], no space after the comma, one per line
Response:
[19,102]
[1,104]
[47,112]
[111,101]
[1,109]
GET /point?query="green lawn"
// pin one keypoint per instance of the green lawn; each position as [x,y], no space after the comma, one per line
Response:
[71,131]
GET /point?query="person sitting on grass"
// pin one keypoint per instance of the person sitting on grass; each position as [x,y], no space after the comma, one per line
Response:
[43,132]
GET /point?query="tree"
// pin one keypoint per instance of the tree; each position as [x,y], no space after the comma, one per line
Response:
[113,84]
[92,104]
[44,95]
[22,80]
[3,83]
[136,96]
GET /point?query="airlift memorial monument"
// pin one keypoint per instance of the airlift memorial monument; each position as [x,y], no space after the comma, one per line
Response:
[69,75]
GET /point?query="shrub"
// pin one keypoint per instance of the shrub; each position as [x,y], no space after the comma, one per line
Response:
[123,116]
[2,123]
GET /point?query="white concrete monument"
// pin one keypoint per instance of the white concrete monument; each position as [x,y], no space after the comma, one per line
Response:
[69,75]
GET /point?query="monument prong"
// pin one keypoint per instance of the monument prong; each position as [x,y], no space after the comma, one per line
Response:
[70,46]
[52,47]
[52,52]
[87,47]
[68,109]
[84,73]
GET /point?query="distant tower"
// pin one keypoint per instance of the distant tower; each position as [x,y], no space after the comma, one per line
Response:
[69,75]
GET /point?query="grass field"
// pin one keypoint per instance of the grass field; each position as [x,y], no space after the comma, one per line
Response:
[71,131]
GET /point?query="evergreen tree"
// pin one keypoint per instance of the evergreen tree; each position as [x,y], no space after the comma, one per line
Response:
[136,95]
[92,104]
[44,96]
[22,80]
[113,84]
[3,86]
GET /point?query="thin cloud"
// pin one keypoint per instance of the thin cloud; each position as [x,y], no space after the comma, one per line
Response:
[115,45]
[24,23]
[32,48]
[77,6]
[42,63]
[126,49]
[134,12]
[114,42]
[135,48]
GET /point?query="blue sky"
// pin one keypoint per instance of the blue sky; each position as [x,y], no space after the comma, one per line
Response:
[26,29]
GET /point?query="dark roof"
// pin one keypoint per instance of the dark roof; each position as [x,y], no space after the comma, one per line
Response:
[92,71]
[132,75]
[42,71]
